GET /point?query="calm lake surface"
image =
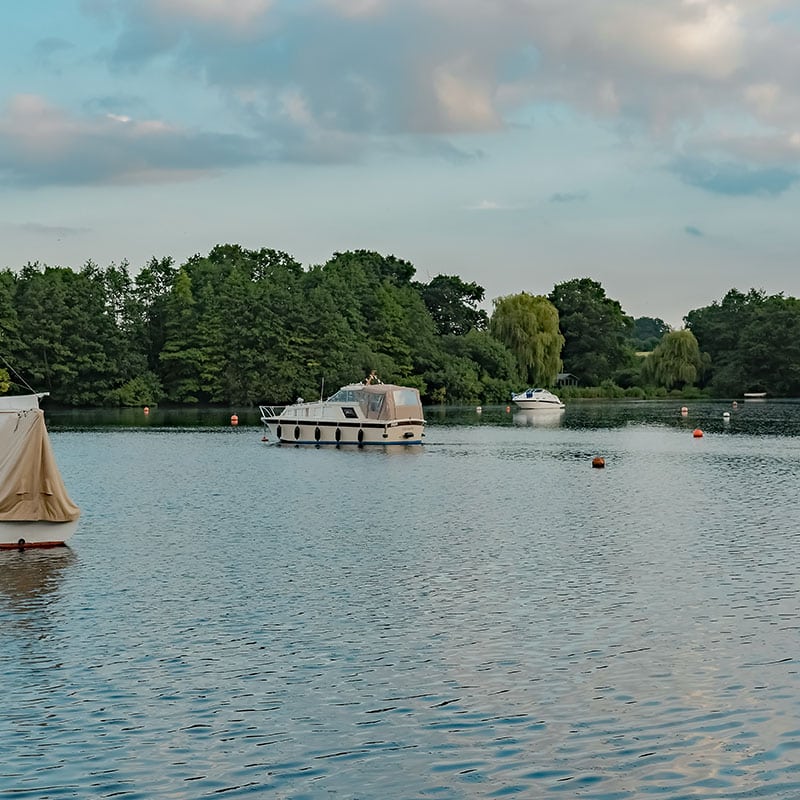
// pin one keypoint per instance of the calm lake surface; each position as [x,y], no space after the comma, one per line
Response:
[486,616]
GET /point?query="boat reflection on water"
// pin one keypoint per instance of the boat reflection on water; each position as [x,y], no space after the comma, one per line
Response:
[29,576]
[539,418]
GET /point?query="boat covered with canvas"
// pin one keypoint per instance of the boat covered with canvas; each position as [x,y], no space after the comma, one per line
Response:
[535,399]
[35,509]
[367,413]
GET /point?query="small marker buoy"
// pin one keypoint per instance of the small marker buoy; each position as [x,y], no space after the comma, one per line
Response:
[146,409]
[479,409]
[684,410]
[264,439]
[598,463]
[735,404]
[508,408]
[726,414]
[234,419]
[697,433]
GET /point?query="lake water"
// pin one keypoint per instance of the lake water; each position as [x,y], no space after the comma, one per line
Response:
[486,616]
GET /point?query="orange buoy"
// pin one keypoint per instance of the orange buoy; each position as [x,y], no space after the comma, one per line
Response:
[598,463]
[508,408]
[697,433]
[146,410]
[234,419]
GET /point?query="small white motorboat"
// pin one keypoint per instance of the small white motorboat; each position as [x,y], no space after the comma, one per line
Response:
[366,413]
[535,399]
[35,509]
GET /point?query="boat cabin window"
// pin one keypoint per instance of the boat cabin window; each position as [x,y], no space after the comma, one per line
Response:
[350,413]
[405,397]
[375,403]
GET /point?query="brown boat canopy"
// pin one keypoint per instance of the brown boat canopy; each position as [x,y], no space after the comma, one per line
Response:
[31,487]
[386,401]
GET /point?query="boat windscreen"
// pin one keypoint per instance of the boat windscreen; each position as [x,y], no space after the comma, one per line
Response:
[346,396]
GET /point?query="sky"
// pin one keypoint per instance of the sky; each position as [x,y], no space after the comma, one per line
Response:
[650,145]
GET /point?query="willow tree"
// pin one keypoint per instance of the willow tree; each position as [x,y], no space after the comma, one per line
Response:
[675,362]
[528,326]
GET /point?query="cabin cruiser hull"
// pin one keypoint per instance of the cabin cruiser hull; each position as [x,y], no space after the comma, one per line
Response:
[287,429]
[22,535]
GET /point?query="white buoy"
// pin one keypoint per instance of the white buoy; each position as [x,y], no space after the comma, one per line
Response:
[478,409]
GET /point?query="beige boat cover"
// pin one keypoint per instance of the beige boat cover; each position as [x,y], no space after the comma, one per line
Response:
[31,488]
[387,401]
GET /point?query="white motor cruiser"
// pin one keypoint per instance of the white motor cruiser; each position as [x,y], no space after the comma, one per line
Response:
[533,399]
[366,413]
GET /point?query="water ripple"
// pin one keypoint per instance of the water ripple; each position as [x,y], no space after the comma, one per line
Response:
[490,618]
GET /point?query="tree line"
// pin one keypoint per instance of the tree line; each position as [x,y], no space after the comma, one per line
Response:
[242,327]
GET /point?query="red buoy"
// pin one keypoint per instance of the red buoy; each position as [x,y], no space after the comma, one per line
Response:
[234,419]
[146,410]
[598,463]
[697,433]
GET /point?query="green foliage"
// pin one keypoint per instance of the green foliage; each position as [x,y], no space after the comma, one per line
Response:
[647,333]
[597,333]
[676,361]
[753,343]
[243,327]
[528,326]
[143,390]
[452,304]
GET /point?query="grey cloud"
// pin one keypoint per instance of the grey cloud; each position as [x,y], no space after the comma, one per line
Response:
[731,178]
[105,153]
[567,197]
[53,231]
[323,85]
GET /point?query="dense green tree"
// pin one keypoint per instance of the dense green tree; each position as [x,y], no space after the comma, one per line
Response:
[148,311]
[180,365]
[647,332]
[247,326]
[676,361]
[10,345]
[718,329]
[493,363]
[453,305]
[528,326]
[769,348]
[596,331]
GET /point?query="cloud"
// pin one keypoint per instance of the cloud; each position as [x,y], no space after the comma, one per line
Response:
[40,143]
[49,231]
[567,197]
[46,51]
[330,80]
[492,205]
[731,178]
